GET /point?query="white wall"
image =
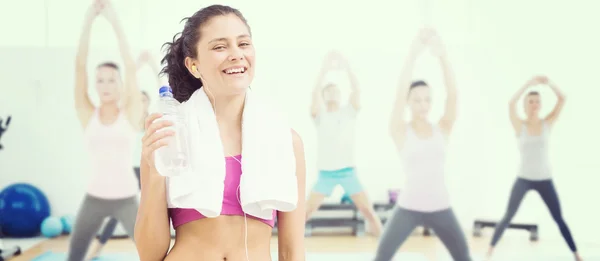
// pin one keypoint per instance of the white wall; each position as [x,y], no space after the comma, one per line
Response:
[494,48]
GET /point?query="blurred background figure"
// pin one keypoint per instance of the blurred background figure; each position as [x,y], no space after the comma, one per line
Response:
[422,145]
[110,130]
[107,232]
[533,134]
[336,124]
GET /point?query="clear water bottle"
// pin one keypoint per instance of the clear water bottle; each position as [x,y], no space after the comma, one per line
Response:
[172,159]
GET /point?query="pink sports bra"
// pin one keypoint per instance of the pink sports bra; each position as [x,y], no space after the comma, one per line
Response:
[231,202]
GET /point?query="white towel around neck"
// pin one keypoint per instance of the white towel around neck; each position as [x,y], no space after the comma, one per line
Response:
[268,180]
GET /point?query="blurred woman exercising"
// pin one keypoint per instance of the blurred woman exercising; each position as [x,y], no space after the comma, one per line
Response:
[213,39]
[422,146]
[336,132]
[109,132]
[145,58]
[535,171]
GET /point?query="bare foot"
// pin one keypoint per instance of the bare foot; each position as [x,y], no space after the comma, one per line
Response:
[488,256]
[372,230]
[578,257]
[373,234]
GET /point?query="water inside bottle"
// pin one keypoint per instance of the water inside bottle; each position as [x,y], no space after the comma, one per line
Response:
[179,160]
[174,156]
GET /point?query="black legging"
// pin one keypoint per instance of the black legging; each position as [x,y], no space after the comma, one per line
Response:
[548,194]
[111,225]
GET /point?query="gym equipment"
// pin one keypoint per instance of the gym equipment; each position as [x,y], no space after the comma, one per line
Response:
[67,223]
[3,128]
[23,207]
[355,223]
[480,224]
[352,222]
[52,227]
[7,254]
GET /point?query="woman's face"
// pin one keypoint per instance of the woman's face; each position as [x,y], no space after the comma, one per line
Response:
[108,84]
[331,94]
[226,55]
[419,100]
[532,104]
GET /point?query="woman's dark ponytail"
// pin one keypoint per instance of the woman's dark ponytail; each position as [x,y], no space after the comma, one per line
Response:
[184,44]
[182,82]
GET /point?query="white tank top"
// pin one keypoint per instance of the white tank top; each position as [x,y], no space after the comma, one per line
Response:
[335,134]
[535,164]
[110,149]
[424,162]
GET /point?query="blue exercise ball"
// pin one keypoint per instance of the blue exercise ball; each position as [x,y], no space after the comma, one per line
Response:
[52,227]
[67,223]
[23,208]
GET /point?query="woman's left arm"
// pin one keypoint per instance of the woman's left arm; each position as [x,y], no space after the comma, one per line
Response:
[291,224]
[551,118]
[449,116]
[132,101]
[354,90]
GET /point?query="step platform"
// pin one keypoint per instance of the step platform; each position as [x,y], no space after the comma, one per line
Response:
[480,224]
[356,223]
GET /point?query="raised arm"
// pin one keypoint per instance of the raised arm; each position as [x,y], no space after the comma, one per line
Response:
[146,58]
[83,104]
[291,224]
[317,95]
[551,118]
[355,91]
[132,101]
[398,122]
[515,120]
[449,116]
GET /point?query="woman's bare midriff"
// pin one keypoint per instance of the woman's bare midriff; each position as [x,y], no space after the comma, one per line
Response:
[222,238]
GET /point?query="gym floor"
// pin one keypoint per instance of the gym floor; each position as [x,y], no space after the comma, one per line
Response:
[431,247]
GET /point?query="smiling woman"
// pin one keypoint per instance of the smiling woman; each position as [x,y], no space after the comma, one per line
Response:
[194,61]
[214,54]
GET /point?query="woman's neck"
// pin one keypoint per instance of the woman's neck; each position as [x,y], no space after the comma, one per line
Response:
[419,122]
[332,106]
[533,119]
[228,107]
[109,108]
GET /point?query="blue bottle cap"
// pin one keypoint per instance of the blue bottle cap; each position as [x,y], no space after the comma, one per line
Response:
[165,89]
